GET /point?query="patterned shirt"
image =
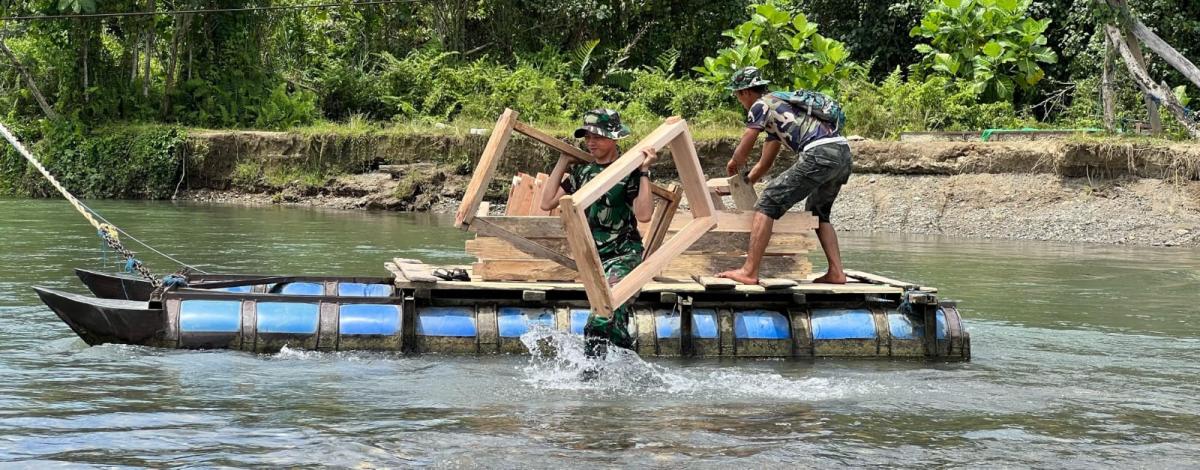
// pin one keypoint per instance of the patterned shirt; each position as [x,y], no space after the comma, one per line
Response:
[795,128]
[611,218]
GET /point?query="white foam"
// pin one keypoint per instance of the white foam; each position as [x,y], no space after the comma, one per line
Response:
[558,361]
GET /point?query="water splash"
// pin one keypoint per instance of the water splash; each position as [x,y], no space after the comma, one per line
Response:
[558,362]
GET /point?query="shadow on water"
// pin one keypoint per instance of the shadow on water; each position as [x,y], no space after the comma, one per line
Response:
[1083,357]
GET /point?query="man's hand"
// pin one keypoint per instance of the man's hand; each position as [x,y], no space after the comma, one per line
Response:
[733,166]
[649,155]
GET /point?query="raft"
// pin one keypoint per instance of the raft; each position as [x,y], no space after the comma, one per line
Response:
[261,314]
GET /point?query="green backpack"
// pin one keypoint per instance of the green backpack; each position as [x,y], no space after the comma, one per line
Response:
[817,105]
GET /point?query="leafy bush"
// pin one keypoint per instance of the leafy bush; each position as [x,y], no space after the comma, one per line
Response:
[991,43]
[786,46]
[896,105]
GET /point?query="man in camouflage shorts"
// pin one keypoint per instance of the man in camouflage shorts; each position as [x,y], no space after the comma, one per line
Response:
[613,218]
[818,175]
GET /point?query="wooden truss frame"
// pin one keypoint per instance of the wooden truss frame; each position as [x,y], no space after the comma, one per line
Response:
[674,133]
[584,257]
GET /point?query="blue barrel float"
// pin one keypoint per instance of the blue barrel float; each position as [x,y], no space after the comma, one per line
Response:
[669,319]
[363,316]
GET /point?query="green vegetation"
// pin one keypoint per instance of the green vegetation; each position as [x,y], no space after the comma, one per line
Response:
[355,70]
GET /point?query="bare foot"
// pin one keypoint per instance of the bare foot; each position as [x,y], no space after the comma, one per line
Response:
[830,278]
[740,275]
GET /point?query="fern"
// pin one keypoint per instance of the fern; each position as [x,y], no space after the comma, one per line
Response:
[582,56]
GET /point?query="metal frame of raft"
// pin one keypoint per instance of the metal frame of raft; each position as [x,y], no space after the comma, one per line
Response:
[859,319]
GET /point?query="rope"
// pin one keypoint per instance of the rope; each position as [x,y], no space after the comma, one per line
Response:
[107,231]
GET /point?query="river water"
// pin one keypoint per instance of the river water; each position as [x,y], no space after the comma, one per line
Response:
[1084,356]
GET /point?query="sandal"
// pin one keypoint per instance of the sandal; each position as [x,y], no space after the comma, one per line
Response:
[443,274]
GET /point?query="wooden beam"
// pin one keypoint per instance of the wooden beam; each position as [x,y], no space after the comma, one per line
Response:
[482,226]
[551,141]
[625,164]
[653,265]
[691,175]
[587,260]
[1142,78]
[484,208]
[871,278]
[485,170]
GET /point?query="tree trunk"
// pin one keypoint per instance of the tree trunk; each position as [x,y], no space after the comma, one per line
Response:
[149,50]
[37,94]
[1155,43]
[1151,107]
[1106,86]
[169,85]
[1158,91]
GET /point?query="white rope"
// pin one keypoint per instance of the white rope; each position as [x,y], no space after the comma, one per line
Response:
[84,210]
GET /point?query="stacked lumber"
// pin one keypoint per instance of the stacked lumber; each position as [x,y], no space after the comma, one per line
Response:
[722,248]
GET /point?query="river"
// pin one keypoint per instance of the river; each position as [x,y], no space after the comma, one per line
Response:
[1083,356]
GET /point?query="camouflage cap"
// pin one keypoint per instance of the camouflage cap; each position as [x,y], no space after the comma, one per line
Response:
[747,77]
[605,122]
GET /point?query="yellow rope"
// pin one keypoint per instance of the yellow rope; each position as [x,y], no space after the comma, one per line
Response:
[106,228]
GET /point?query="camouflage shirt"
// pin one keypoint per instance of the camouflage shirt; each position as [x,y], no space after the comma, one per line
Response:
[795,128]
[611,218]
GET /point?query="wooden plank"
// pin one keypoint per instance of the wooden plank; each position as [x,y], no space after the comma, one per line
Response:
[715,283]
[776,283]
[660,222]
[583,249]
[682,267]
[520,196]
[530,227]
[720,185]
[686,265]
[547,139]
[487,247]
[484,208]
[727,221]
[485,170]
[415,272]
[877,279]
[535,205]
[738,242]
[522,270]
[526,245]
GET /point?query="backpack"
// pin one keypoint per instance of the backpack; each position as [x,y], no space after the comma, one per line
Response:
[817,105]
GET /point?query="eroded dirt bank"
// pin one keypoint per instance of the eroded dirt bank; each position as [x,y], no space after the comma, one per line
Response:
[1086,191]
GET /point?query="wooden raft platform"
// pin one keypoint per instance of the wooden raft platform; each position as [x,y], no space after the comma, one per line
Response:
[872,316]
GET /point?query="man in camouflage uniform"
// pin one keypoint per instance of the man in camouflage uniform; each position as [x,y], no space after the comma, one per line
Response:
[818,175]
[613,218]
